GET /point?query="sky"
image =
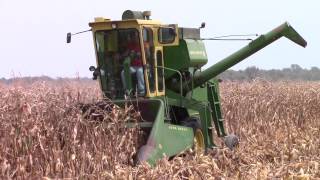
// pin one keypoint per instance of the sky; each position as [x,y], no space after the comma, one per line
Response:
[33,32]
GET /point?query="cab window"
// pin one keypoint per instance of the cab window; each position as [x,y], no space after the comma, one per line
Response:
[160,71]
[166,35]
[113,47]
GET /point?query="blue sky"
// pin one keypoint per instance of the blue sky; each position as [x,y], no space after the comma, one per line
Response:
[33,32]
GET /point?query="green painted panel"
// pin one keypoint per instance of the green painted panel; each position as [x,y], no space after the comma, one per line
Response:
[167,139]
[164,138]
[197,53]
[189,53]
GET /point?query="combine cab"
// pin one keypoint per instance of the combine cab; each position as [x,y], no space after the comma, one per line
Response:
[158,66]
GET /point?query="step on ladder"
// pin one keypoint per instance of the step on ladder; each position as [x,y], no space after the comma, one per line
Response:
[214,101]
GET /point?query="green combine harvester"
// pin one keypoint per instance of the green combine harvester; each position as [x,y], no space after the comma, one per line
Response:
[159,68]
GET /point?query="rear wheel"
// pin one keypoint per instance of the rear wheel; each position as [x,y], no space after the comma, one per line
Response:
[198,140]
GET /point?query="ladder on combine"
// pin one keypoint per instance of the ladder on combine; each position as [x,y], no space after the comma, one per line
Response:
[214,101]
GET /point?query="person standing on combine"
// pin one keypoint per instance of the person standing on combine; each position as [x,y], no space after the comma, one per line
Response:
[136,66]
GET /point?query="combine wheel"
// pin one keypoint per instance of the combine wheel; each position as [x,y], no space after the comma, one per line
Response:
[199,142]
[231,141]
[198,139]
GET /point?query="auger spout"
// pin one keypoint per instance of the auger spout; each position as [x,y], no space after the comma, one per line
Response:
[262,41]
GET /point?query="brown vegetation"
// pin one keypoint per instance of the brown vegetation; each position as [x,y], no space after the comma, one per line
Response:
[43,134]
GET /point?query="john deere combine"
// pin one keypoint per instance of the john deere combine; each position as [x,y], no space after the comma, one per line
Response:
[162,74]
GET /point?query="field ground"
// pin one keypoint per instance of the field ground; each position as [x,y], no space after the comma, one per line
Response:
[44,135]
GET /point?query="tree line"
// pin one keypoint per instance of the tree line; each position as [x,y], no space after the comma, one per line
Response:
[294,72]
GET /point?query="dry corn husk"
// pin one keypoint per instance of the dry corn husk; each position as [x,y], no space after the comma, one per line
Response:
[44,135]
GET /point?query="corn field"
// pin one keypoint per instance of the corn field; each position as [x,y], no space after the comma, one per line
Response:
[44,135]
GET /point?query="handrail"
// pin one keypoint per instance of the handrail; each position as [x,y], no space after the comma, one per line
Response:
[180,75]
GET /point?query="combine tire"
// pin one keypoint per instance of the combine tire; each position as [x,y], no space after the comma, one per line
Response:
[198,139]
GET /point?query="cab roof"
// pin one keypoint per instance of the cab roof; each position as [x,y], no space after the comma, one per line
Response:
[100,21]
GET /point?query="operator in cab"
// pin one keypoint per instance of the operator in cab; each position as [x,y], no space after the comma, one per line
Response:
[136,65]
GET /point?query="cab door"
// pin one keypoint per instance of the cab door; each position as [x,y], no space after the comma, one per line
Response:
[153,55]
[154,38]
[158,55]
[148,55]
[166,35]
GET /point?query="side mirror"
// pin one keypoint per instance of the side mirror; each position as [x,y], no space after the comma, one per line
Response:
[92,68]
[203,25]
[68,37]
[96,72]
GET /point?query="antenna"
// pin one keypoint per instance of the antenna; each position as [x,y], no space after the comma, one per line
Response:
[225,37]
